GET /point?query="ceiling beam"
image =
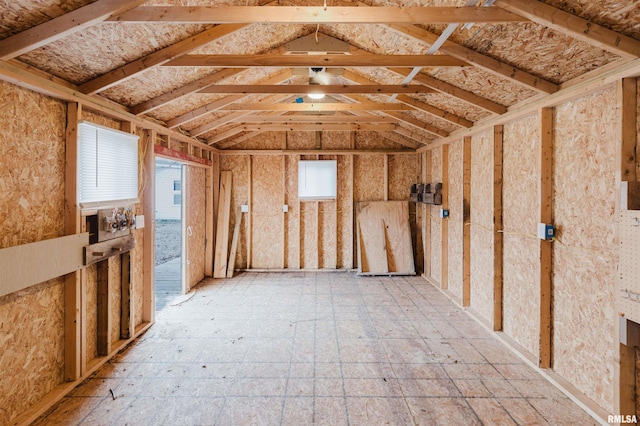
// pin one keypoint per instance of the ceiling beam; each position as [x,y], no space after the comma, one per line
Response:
[185,90]
[220,103]
[317,107]
[318,127]
[306,61]
[62,26]
[449,89]
[486,63]
[333,89]
[429,109]
[316,15]
[159,57]
[316,119]
[574,26]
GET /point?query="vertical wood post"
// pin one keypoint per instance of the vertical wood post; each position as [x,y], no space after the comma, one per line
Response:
[386,178]
[498,133]
[444,277]
[126,315]
[103,311]
[466,222]
[209,226]
[427,217]
[148,208]
[249,216]
[546,248]
[73,281]
[352,263]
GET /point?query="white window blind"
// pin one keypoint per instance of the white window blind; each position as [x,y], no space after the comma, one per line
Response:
[317,179]
[107,165]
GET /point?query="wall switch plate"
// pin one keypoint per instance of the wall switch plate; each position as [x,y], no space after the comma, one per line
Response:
[139,221]
[285,208]
[244,208]
[546,231]
[444,213]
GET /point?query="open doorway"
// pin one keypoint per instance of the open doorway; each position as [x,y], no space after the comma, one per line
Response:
[169,232]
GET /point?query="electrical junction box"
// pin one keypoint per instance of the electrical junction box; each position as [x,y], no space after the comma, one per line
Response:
[244,208]
[546,231]
[139,221]
[285,208]
[444,213]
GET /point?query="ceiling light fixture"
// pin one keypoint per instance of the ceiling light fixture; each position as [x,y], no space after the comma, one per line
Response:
[316,95]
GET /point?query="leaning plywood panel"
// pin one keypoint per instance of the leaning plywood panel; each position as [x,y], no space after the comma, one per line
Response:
[436,221]
[584,269]
[195,224]
[238,166]
[267,232]
[32,156]
[384,238]
[456,224]
[521,206]
[482,224]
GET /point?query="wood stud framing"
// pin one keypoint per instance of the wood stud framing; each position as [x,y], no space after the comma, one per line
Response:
[498,236]
[466,222]
[148,208]
[546,248]
[444,275]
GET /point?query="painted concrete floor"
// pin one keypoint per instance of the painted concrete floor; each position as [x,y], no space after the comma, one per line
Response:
[316,348]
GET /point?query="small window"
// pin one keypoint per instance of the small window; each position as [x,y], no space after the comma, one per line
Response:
[317,179]
[177,185]
[177,199]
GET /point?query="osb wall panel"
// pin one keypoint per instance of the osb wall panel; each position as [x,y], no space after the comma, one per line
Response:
[237,164]
[196,222]
[344,224]
[585,260]
[266,212]
[403,172]
[328,225]
[456,219]
[368,177]
[31,167]
[100,119]
[436,222]
[521,207]
[373,140]
[31,209]
[115,294]
[336,140]
[267,140]
[482,224]
[32,356]
[301,140]
[137,277]
[309,234]
[91,319]
[292,217]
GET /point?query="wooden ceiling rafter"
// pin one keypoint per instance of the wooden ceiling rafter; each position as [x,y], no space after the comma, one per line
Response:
[62,26]
[297,118]
[422,106]
[574,26]
[300,89]
[318,127]
[316,15]
[317,106]
[307,61]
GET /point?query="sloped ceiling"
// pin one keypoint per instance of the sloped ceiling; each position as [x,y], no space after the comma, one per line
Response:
[159,59]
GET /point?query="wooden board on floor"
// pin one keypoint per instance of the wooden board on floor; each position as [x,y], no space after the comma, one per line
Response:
[384,238]
[222,237]
[234,243]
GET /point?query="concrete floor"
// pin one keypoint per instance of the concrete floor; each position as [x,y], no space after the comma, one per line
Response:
[316,348]
[168,284]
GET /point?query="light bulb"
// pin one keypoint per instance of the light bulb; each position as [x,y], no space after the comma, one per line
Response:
[316,95]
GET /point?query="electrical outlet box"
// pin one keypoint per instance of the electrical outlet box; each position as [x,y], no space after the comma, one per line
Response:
[244,208]
[546,231]
[139,221]
[285,208]
[444,213]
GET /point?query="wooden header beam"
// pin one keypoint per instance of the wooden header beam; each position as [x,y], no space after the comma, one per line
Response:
[334,89]
[312,127]
[316,119]
[306,61]
[317,107]
[316,15]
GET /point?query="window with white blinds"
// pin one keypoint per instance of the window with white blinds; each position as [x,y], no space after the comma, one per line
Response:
[107,165]
[317,179]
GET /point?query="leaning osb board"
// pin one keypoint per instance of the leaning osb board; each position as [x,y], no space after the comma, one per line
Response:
[368,177]
[266,140]
[237,164]
[436,221]
[344,240]
[300,140]
[455,221]
[521,247]
[195,222]
[137,277]
[32,356]
[403,172]
[32,156]
[91,297]
[373,140]
[482,233]
[115,292]
[309,234]
[336,140]
[292,217]
[536,49]
[267,234]
[584,269]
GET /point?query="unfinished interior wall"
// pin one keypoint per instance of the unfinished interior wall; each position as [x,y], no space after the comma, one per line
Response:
[482,224]
[32,155]
[585,256]
[455,221]
[239,166]
[436,221]
[266,211]
[521,247]
[195,224]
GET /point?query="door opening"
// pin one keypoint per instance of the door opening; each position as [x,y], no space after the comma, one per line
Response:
[169,239]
